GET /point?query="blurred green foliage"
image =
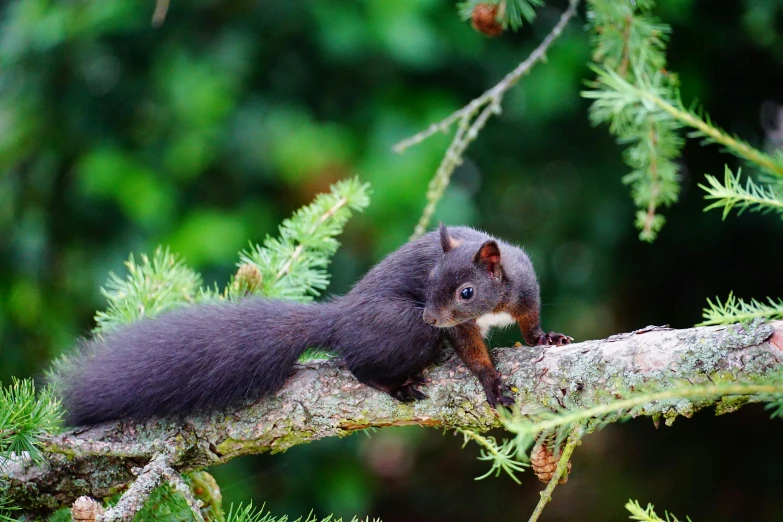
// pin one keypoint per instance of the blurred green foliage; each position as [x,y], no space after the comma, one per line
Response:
[205,133]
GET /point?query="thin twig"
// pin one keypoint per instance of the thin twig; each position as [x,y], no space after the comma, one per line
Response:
[496,92]
[737,146]
[159,15]
[656,186]
[488,103]
[451,160]
[175,479]
[139,491]
[562,465]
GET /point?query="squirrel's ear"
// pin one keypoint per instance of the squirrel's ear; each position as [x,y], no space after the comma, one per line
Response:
[446,241]
[489,256]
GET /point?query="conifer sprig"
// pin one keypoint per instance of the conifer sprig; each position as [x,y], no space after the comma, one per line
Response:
[151,286]
[512,14]
[648,514]
[502,456]
[248,513]
[704,128]
[513,455]
[629,44]
[293,266]
[26,418]
[735,310]
[732,194]
[560,424]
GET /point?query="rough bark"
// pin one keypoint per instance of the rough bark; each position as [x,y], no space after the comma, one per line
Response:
[323,400]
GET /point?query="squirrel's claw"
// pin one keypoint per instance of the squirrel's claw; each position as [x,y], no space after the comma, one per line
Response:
[554,339]
[495,394]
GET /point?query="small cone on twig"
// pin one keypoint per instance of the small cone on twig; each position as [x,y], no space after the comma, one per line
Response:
[484,19]
[85,509]
[248,277]
[544,461]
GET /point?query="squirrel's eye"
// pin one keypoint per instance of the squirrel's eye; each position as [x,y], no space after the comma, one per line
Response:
[466,293]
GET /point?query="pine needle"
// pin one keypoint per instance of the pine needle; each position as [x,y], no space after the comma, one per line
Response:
[26,418]
[732,194]
[735,310]
[648,514]
[247,513]
[151,286]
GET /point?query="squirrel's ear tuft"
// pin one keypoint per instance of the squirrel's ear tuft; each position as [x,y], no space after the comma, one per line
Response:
[489,256]
[446,241]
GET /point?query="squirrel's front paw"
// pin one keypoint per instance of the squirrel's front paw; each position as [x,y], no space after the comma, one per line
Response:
[495,394]
[554,339]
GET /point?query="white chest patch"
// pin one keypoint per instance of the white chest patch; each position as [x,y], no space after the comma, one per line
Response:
[487,321]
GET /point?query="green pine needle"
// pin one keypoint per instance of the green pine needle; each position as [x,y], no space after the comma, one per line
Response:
[293,266]
[26,418]
[7,509]
[735,310]
[648,514]
[731,194]
[152,286]
[503,456]
[247,513]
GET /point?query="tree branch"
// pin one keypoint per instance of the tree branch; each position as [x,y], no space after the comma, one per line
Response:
[322,399]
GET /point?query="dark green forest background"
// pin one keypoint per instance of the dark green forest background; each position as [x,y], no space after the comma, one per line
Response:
[205,133]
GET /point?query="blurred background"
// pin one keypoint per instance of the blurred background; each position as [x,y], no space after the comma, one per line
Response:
[205,133]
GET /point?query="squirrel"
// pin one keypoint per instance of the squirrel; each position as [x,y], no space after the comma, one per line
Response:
[451,284]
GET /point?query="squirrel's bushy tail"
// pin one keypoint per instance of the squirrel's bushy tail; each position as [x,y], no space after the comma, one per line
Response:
[196,358]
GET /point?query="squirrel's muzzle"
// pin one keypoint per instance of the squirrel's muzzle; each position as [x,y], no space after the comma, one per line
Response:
[436,319]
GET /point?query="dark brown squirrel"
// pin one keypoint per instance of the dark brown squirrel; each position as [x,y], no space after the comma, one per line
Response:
[452,284]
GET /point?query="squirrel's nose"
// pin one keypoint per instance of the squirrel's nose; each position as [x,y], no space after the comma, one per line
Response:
[429,317]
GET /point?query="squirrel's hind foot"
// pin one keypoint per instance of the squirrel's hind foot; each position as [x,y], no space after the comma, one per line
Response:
[408,393]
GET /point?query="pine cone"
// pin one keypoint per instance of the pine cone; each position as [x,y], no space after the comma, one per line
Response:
[484,19]
[249,277]
[85,508]
[544,462]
